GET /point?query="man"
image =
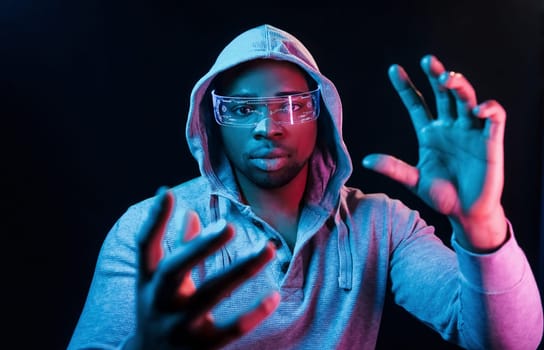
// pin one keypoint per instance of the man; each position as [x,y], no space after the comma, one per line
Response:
[269,249]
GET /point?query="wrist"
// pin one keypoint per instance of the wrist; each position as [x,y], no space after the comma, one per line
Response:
[482,234]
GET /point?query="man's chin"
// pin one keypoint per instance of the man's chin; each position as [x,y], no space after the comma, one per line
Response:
[270,180]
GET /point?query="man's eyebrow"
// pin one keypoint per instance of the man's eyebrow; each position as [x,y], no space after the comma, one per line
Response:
[293,92]
[277,94]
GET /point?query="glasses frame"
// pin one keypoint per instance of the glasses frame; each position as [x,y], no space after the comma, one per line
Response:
[218,100]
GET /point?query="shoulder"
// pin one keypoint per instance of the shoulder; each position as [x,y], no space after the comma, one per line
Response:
[187,193]
[383,215]
[193,194]
[353,195]
[192,191]
[377,205]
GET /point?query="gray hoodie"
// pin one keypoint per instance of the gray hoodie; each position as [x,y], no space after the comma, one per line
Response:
[333,283]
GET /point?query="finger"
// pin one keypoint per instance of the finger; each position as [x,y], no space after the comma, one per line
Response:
[190,228]
[445,106]
[217,336]
[177,265]
[393,168]
[464,93]
[215,289]
[266,307]
[186,287]
[495,119]
[248,321]
[150,239]
[410,96]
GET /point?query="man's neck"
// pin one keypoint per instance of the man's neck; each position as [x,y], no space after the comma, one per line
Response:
[280,207]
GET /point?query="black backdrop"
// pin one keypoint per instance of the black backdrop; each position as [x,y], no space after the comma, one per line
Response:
[95,94]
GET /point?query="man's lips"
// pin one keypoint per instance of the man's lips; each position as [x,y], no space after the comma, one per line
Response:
[269,159]
[268,154]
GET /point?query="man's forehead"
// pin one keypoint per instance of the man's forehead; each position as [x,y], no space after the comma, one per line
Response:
[262,72]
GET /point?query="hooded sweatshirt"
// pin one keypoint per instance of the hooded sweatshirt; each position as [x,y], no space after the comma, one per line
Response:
[349,244]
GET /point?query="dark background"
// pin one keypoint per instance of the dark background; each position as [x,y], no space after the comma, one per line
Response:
[94,96]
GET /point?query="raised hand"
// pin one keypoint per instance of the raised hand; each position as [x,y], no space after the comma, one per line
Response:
[171,312]
[460,169]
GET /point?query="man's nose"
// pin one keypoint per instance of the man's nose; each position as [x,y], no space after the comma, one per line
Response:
[268,127]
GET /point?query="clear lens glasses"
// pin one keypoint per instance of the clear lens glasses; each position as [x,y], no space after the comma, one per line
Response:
[248,111]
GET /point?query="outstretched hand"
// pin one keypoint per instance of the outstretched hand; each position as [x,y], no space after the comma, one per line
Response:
[171,312]
[460,170]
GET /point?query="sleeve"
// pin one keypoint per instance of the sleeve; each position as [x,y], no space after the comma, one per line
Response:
[477,301]
[502,285]
[108,316]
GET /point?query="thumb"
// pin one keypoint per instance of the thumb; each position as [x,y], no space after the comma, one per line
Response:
[393,168]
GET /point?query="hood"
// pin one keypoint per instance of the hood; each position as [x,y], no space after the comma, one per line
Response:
[330,164]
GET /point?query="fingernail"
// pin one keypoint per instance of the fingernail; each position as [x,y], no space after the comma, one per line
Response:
[161,190]
[369,161]
[426,62]
[444,77]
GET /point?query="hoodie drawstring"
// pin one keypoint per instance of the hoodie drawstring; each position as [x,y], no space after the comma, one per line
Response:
[224,258]
[345,270]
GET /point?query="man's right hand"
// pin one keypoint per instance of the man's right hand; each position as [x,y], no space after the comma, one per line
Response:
[171,312]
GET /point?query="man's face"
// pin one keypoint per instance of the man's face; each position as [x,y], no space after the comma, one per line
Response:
[269,154]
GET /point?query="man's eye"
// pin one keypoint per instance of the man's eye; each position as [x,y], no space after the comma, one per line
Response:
[291,107]
[243,110]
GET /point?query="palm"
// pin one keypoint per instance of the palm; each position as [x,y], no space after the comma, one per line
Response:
[452,167]
[172,312]
[460,167]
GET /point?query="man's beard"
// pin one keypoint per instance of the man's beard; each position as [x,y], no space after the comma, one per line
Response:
[275,179]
